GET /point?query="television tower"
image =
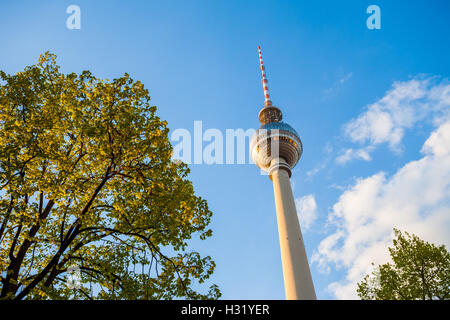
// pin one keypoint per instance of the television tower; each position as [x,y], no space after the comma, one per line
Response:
[276,149]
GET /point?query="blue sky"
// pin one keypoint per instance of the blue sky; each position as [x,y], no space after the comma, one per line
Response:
[371,107]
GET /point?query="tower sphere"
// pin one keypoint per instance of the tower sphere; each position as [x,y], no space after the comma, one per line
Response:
[275,140]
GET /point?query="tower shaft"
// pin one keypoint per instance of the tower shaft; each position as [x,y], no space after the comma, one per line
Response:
[276,149]
[298,284]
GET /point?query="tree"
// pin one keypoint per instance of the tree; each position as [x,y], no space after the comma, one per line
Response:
[87,183]
[420,270]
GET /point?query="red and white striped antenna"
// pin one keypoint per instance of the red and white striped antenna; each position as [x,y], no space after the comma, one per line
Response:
[267,101]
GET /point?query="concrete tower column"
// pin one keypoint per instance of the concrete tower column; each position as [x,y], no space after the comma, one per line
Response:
[276,148]
[298,282]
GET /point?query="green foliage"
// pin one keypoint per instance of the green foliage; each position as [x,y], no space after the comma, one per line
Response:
[420,270]
[86,179]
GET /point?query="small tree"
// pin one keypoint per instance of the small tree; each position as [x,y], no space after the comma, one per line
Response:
[420,270]
[87,183]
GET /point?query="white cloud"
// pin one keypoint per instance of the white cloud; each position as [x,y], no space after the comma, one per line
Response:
[415,199]
[337,84]
[403,106]
[439,141]
[328,149]
[350,154]
[346,77]
[306,210]
[315,170]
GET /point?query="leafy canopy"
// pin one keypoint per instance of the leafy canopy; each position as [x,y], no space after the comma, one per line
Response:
[87,182]
[420,270]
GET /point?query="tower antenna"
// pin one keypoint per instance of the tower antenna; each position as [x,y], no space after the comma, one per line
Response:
[267,101]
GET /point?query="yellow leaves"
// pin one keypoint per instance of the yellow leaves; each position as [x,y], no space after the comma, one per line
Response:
[40,293]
